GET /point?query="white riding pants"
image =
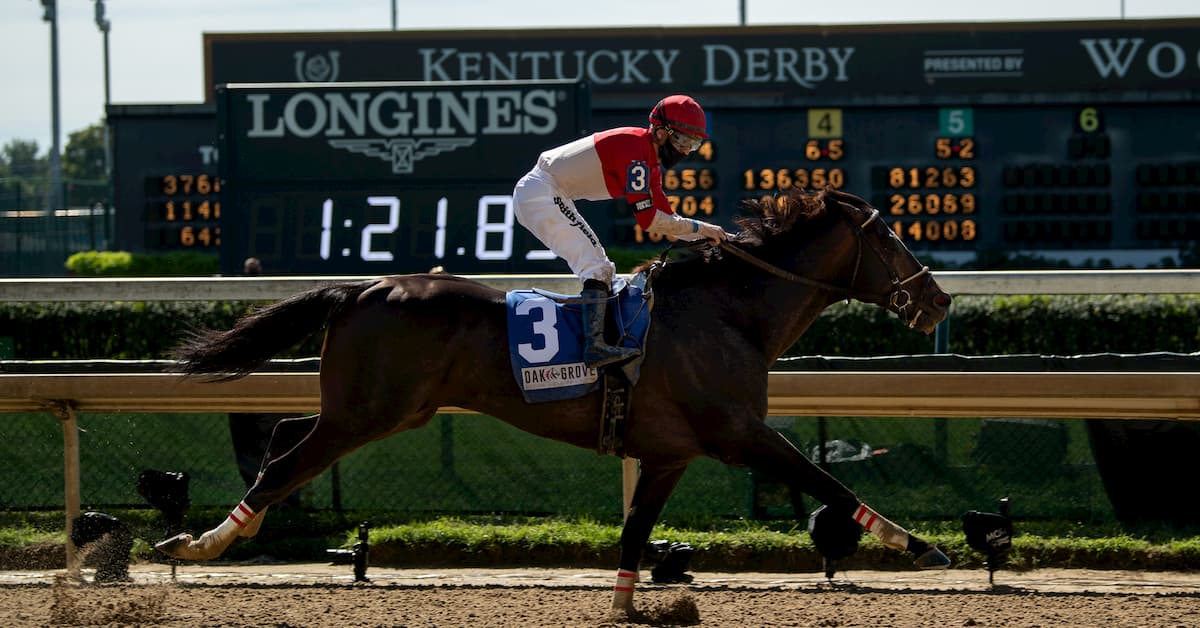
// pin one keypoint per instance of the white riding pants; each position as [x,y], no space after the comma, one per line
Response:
[553,218]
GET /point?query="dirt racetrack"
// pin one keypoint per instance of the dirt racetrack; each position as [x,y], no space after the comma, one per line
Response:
[326,595]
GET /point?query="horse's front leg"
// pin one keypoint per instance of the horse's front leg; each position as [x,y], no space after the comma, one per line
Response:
[769,452]
[655,484]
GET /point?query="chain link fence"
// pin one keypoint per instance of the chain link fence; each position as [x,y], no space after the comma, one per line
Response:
[910,469]
[36,241]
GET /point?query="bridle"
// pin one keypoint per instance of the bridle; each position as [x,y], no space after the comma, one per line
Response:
[898,298]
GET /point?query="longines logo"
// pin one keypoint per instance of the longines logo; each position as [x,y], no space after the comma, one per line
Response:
[403,152]
[403,126]
[317,68]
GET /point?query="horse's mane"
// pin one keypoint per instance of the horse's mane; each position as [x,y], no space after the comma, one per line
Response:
[768,217]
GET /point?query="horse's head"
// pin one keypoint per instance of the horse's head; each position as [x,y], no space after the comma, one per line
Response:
[874,265]
[889,275]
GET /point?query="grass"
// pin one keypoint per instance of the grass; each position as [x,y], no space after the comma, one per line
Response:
[16,537]
[720,544]
[753,545]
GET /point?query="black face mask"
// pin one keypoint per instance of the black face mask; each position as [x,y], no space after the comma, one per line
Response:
[668,155]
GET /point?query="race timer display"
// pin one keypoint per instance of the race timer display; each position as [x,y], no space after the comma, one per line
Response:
[381,178]
[355,227]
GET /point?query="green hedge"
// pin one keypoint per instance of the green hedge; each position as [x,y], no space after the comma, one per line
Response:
[1061,325]
[126,264]
[981,325]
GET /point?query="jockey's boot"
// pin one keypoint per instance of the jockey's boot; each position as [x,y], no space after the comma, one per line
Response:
[596,352]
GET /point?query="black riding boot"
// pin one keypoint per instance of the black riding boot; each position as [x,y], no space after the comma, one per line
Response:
[596,352]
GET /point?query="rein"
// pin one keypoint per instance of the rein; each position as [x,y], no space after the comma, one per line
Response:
[788,275]
[898,298]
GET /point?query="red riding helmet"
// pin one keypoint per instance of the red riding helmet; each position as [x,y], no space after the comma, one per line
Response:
[681,113]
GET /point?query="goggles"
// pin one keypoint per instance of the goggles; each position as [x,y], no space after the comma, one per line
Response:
[684,142]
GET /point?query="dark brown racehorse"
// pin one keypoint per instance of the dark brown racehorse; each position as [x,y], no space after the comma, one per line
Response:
[398,348]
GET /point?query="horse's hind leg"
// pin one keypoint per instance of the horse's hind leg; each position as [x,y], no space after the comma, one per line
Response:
[769,452]
[287,434]
[331,437]
[300,451]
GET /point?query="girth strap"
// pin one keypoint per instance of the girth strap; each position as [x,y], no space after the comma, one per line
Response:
[613,414]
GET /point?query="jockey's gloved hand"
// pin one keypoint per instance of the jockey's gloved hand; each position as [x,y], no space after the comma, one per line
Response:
[714,233]
[675,226]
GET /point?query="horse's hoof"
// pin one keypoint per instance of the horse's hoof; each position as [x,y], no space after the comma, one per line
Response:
[175,545]
[933,559]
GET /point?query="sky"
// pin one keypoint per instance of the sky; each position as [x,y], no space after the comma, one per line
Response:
[155,46]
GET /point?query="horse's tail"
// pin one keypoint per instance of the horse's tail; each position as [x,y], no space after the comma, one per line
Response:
[261,335]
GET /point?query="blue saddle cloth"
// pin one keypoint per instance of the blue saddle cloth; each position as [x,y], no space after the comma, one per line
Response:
[545,341]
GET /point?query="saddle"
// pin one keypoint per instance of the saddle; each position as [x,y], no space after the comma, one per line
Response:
[545,338]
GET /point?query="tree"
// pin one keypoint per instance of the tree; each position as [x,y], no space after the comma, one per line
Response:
[19,158]
[25,171]
[82,159]
[84,155]
[85,181]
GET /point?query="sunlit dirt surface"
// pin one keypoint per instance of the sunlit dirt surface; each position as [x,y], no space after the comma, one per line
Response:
[280,595]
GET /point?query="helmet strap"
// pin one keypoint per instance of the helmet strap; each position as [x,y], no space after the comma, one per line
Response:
[668,155]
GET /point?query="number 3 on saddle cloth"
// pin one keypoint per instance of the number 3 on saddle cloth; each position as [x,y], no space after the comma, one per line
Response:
[545,340]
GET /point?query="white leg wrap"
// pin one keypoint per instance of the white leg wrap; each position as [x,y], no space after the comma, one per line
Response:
[241,516]
[623,590]
[211,543]
[252,526]
[889,533]
[233,526]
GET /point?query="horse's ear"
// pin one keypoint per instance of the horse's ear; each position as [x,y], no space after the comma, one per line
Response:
[775,212]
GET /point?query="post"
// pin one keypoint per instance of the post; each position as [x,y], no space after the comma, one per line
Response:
[70,427]
[104,24]
[629,479]
[54,198]
[19,222]
[941,337]
[941,429]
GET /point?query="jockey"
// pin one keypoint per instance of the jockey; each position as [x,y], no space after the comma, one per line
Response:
[623,162]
